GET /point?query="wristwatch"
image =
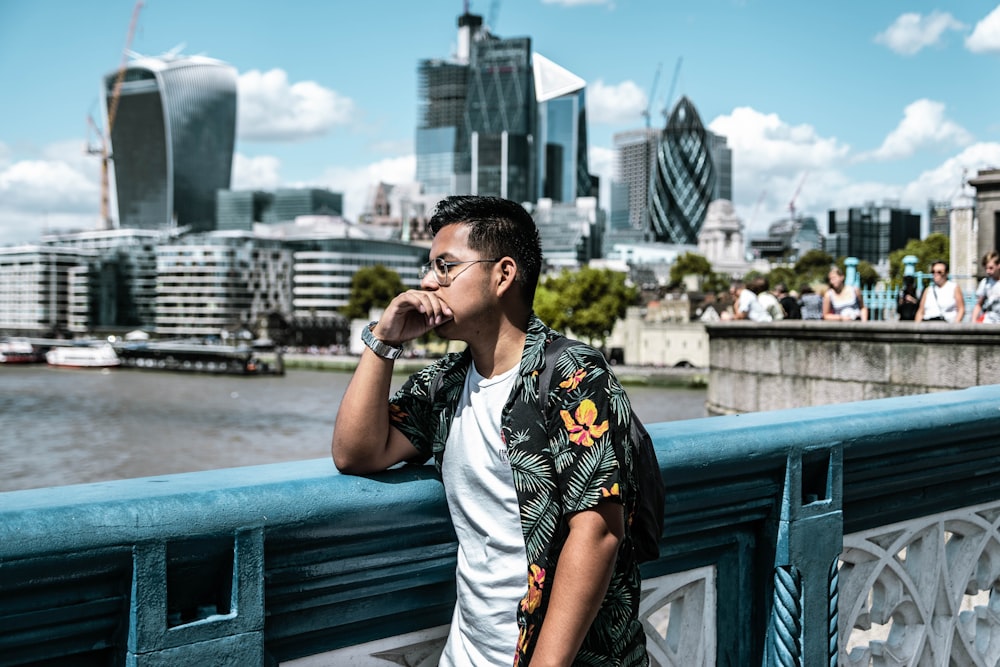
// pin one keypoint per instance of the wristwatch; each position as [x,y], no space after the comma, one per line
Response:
[383,350]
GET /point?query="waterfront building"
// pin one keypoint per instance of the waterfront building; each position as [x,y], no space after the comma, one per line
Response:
[403,208]
[684,179]
[35,288]
[172,140]
[219,281]
[117,287]
[871,232]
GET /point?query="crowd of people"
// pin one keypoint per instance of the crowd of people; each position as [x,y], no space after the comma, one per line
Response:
[940,301]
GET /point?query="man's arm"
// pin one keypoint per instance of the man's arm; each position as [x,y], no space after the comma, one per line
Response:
[959,304]
[363,439]
[583,573]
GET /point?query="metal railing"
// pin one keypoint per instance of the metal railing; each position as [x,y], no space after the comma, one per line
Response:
[268,564]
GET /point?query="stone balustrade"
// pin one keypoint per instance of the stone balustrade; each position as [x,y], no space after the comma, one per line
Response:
[776,365]
[864,533]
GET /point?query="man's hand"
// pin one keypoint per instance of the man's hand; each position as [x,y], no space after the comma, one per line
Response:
[410,315]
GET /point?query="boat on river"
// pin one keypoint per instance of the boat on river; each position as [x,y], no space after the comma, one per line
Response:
[15,351]
[83,356]
[198,357]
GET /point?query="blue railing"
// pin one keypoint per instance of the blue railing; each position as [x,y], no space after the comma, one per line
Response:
[261,565]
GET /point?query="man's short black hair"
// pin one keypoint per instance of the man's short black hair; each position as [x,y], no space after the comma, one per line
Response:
[498,228]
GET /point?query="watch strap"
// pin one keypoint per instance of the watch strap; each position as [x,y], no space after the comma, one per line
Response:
[380,348]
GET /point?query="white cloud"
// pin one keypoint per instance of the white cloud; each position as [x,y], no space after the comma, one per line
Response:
[58,191]
[269,108]
[762,142]
[358,185]
[5,155]
[946,180]
[621,103]
[255,173]
[923,125]
[911,32]
[985,38]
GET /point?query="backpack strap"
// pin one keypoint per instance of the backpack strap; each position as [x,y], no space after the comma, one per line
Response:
[552,352]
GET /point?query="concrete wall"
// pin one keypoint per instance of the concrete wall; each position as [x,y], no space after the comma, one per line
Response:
[777,365]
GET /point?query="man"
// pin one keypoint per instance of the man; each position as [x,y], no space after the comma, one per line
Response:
[747,307]
[540,503]
[767,300]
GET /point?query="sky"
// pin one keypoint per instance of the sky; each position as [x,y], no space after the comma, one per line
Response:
[824,104]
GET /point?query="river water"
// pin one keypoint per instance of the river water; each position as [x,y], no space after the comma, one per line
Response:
[60,426]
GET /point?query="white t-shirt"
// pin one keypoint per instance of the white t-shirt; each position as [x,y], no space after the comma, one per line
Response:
[491,576]
[749,304]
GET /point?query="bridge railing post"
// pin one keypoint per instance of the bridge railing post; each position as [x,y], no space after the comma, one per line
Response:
[803,622]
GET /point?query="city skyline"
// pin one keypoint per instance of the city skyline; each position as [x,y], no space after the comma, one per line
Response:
[842,104]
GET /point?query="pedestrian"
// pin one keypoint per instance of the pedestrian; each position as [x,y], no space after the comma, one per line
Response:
[541,503]
[987,308]
[842,301]
[942,300]
[746,305]
[789,304]
[811,302]
[907,301]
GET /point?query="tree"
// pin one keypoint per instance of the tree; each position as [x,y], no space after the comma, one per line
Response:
[813,267]
[690,264]
[933,248]
[588,302]
[371,287]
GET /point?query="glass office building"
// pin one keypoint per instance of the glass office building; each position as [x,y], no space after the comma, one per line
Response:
[499,120]
[684,180]
[563,171]
[172,140]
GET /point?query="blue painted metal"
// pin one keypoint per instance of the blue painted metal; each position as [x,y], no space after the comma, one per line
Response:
[265,564]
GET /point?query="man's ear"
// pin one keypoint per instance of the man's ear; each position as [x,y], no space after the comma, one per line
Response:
[506,273]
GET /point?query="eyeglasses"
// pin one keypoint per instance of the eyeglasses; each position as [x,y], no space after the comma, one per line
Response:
[442,269]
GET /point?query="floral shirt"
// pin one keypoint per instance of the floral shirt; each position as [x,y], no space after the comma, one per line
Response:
[573,459]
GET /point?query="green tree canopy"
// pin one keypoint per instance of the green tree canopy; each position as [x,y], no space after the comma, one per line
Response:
[689,264]
[588,302]
[813,267]
[934,247]
[371,287]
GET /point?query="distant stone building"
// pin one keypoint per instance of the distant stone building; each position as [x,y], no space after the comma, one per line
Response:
[720,240]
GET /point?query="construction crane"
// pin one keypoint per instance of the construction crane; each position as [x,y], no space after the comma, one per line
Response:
[652,93]
[673,84]
[791,204]
[105,136]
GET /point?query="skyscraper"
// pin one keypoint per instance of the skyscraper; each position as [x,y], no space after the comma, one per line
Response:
[499,120]
[172,140]
[684,180]
[563,172]
[635,152]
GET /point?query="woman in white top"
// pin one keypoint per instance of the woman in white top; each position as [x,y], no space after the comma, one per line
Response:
[842,301]
[942,300]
